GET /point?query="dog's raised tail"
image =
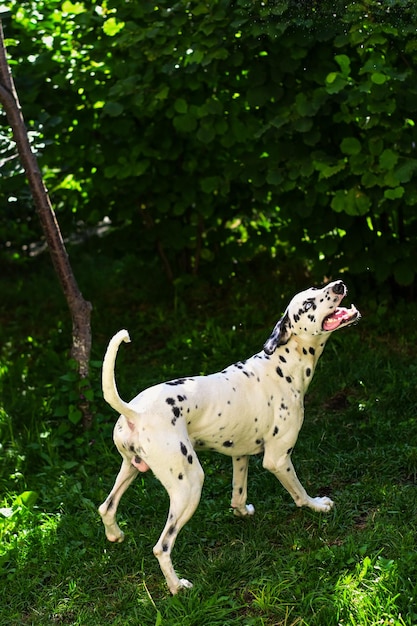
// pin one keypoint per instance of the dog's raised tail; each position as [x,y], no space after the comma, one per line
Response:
[110,392]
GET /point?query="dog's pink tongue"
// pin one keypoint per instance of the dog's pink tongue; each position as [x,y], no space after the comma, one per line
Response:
[333,321]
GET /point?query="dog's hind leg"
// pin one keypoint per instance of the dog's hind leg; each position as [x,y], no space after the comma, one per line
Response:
[108,509]
[240,487]
[184,490]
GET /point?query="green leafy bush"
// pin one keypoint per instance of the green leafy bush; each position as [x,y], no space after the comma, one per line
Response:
[220,131]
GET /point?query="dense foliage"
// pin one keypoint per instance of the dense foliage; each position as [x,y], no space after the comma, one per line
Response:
[221,130]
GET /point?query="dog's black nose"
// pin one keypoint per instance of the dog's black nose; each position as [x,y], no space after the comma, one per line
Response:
[339,288]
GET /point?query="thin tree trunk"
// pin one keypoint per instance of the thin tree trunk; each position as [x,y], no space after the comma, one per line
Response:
[79,308]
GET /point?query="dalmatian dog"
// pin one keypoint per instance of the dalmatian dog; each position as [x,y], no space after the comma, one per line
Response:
[251,407]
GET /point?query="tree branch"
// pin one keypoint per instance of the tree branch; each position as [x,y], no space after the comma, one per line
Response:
[79,308]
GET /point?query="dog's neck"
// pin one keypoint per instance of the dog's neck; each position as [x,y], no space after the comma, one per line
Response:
[308,353]
[313,346]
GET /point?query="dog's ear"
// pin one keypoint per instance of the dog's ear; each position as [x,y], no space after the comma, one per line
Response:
[279,336]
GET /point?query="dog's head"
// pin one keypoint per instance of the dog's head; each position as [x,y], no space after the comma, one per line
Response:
[311,313]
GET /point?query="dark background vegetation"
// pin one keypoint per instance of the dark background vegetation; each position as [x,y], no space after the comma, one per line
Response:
[219,133]
[206,160]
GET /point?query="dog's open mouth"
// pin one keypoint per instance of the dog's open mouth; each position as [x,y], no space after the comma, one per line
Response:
[340,317]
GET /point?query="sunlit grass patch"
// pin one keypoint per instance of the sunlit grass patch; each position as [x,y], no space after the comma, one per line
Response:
[17,521]
[369,594]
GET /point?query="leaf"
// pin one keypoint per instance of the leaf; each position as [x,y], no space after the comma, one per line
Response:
[388,159]
[274,177]
[303,124]
[210,184]
[350,145]
[331,78]
[394,194]
[162,93]
[74,414]
[73,8]
[359,163]
[375,145]
[369,179]
[88,394]
[28,498]
[404,172]
[363,203]
[304,105]
[206,134]
[180,105]
[352,202]
[326,171]
[378,78]
[307,168]
[344,64]
[113,109]
[200,8]
[71,377]
[140,167]
[335,82]
[339,200]
[111,26]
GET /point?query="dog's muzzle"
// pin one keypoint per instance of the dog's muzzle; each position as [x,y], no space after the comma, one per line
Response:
[341,316]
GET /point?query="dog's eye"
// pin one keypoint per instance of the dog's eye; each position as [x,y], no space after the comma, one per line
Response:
[308,306]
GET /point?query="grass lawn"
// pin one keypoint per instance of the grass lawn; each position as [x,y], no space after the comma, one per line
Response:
[285,566]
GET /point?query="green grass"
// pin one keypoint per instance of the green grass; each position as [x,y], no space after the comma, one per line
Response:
[356,566]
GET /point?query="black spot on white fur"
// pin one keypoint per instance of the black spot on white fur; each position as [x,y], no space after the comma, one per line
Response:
[178,381]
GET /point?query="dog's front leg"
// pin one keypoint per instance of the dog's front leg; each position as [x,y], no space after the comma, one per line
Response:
[240,485]
[280,464]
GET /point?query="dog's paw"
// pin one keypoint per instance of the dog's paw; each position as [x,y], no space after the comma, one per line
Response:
[183,583]
[248,509]
[323,505]
[116,538]
[113,533]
